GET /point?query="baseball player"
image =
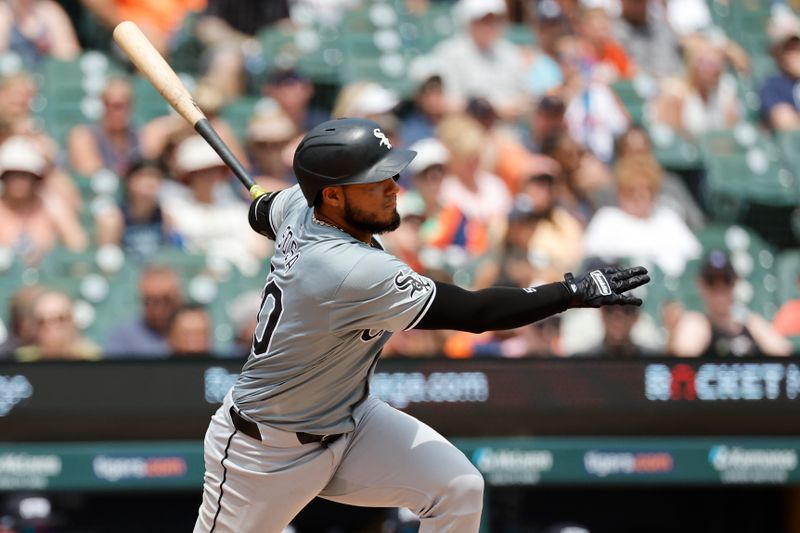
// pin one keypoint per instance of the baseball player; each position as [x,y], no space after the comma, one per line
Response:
[300,421]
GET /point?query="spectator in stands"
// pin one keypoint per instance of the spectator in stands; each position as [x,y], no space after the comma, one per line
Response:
[594,114]
[646,35]
[189,332]
[723,329]
[112,143]
[159,137]
[674,194]
[504,154]
[787,319]
[33,222]
[427,170]
[366,99]
[17,94]
[468,191]
[555,246]
[227,30]
[510,264]
[292,92]
[618,323]
[429,103]
[546,120]
[609,59]
[56,334]
[780,107]
[480,62]
[269,134]
[584,183]
[543,72]
[540,339]
[704,100]
[138,225]
[22,326]
[158,19]
[34,29]
[651,232]
[207,215]
[160,295]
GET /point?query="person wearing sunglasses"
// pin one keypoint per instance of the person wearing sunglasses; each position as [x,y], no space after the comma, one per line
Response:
[56,335]
[725,328]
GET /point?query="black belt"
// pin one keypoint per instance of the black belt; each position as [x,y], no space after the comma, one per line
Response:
[251,430]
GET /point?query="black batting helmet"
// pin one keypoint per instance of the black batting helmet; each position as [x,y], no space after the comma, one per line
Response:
[346,151]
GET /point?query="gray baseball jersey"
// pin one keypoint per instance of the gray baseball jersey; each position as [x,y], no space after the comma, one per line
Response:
[329,305]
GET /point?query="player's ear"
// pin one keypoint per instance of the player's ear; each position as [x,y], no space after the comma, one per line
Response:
[332,196]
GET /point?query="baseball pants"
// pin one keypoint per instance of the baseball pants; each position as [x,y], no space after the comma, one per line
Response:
[390,460]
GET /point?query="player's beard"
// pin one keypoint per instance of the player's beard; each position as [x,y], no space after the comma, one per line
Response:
[368,222]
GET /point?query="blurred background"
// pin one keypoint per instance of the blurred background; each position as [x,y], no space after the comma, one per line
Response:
[552,136]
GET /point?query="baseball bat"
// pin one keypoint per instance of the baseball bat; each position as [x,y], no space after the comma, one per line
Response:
[155,68]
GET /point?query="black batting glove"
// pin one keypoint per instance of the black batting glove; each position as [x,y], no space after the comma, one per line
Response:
[605,286]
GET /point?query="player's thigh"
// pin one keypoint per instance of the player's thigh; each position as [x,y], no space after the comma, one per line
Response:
[252,487]
[394,460]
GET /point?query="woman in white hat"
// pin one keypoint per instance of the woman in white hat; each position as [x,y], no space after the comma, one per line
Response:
[33,223]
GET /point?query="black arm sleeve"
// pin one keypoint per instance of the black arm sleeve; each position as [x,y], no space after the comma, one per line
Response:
[494,308]
[258,215]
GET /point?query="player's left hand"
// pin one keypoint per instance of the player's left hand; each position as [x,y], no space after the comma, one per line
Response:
[606,286]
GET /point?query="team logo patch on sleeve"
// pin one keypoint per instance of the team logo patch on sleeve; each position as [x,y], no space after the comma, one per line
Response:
[412,281]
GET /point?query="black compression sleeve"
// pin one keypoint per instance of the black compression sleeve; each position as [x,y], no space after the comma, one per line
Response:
[258,215]
[493,309]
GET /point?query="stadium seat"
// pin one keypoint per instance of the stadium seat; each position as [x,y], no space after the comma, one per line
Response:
[673,151]
[745,172]
[787,270]
[238,114]
[630,97]
[148,103]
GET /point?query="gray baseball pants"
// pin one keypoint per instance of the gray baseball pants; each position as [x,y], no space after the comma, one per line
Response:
[390,460]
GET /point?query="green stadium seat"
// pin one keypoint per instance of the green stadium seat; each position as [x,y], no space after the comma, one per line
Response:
[148,103]
[673,151]
[745,170]
[630,97]
[238,114]
[521,35]
[788,270]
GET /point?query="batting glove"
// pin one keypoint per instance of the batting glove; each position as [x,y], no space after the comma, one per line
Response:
[606,286]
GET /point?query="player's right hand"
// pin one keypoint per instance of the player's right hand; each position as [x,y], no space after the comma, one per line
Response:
[605,286]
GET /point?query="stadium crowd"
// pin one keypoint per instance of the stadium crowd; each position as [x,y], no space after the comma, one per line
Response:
[552,136]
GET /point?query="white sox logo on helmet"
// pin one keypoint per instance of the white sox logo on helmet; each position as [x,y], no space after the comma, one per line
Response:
[382,136]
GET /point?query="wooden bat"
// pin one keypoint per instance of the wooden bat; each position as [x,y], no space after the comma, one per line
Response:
[155,68]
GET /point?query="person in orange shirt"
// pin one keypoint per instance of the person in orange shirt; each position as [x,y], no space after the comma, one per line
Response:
[608,54]
[158,19]
[787,320]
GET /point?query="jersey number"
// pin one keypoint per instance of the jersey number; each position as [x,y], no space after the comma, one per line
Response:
[268,320]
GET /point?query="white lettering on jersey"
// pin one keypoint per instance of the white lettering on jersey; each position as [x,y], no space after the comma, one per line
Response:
[288,245]
[382,136]
[411,280]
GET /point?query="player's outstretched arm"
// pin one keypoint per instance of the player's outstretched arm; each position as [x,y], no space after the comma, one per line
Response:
[506,308]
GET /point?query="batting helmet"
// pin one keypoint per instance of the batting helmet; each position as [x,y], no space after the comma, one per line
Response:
[343,152]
